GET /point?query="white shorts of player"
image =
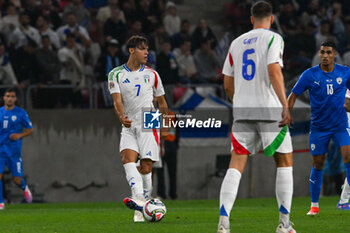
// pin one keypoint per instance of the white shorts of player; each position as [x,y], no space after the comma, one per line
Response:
[144,142]
[251,134]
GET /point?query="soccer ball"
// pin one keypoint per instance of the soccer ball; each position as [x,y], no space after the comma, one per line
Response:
[154,210]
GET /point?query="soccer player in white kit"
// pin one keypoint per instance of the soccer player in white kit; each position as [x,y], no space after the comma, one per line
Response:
[254,82]
[344,203]
[132,87]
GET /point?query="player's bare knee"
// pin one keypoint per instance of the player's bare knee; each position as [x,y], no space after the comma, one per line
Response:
[283,159]
[318,161]
[146,166]
[0,176]
[17,180]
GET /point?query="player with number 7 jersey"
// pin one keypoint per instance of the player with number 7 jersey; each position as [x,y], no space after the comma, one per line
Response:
[133,87]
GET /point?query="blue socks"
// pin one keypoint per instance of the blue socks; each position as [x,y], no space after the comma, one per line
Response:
[316,183]
[347,169]
[23,184]
[1,192]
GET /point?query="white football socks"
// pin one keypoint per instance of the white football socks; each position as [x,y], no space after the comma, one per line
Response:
[345,194]
[147,185]
[228,193]
[284,192]
[134,179]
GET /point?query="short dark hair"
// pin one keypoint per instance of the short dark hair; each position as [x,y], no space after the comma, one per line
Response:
[136,41]
[330,44]
[10,89]
[261,10]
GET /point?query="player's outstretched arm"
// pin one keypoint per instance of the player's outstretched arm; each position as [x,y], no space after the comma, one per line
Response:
[119,109]
[277,82]
[229,86]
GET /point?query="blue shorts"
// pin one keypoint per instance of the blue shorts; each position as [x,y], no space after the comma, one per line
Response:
[319,141]
[15,165]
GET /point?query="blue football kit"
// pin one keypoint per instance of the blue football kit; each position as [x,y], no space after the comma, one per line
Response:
[327,98]
[12,121]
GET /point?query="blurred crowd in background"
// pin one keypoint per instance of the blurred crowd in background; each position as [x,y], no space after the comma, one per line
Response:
[76,43]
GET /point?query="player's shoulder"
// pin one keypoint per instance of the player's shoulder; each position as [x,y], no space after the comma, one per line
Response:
[342,68]
[312,70]
[115,72]
[19,110]
[118,69]
[150,71]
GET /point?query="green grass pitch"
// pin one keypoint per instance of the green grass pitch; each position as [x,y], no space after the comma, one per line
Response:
[198,216]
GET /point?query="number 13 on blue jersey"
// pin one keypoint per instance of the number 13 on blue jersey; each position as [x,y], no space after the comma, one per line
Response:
[248,63]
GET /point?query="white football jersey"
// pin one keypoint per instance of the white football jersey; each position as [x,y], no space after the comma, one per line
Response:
[137,89]
[247,60]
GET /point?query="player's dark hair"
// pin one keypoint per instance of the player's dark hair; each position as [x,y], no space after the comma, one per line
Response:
[136,41]
[330,44]
[261,10]
[10,89]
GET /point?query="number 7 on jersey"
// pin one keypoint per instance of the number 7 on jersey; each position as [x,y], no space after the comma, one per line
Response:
[138,89]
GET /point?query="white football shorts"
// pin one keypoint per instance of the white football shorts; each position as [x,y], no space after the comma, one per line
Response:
[247,137]
[145,143]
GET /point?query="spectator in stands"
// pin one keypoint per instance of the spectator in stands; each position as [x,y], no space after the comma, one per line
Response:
[115,28]
[302,49]
[108,60]
[312,14]
[7,75]
[207,63]
[171,20]
[130,11]
[51,11]
[201,33]
[324,34]
[31,7]
[80,32]
[43,25]
[157,38]
[24,34]
[105,13]
[11,21]
[81,13]
[147,16]
[289,20]
[187,71]
[48,73]
[166,65]
[184,34]
[25,64]
[237,15]
[136,28]
[72,71]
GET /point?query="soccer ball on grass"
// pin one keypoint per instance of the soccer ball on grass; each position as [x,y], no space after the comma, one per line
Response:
[154,210]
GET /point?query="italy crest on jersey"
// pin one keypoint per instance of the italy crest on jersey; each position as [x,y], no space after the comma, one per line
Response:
[146,78]
[339,80]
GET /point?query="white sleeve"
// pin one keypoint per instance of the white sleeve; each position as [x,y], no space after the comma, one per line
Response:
[275,50]
[113,82]
[347,95]
[158,89]
[62,55]
[228,68]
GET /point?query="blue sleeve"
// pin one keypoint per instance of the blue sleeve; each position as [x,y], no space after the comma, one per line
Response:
[26,123]
[302,84]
